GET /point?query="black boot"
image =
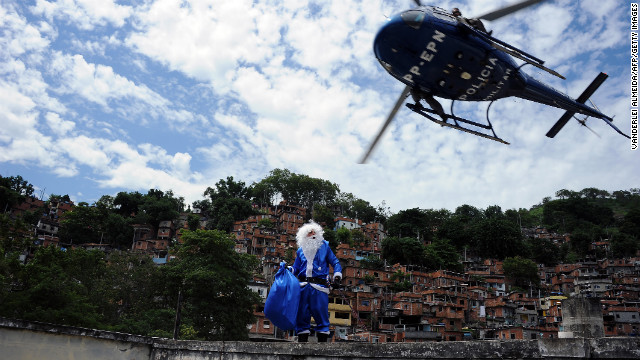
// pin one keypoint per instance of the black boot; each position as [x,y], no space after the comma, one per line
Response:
[323,337]
[303,338]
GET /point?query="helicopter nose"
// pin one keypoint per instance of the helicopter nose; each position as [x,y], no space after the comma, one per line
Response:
[386,39]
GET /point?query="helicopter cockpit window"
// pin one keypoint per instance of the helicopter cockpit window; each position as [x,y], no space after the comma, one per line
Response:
[413,18]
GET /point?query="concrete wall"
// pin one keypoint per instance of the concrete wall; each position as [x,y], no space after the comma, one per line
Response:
[31,340]
[582,318]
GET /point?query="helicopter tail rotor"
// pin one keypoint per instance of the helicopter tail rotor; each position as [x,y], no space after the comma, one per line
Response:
[586,94]
[583,122]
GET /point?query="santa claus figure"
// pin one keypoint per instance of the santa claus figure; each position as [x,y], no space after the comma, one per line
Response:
[313,258]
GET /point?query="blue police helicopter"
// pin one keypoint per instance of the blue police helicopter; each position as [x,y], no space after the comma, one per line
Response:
[438,54]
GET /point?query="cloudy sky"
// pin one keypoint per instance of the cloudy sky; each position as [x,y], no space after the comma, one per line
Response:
[103,96]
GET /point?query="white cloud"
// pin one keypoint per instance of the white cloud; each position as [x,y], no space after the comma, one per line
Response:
[18,36]
[58,125]
[85,14]
[98,83]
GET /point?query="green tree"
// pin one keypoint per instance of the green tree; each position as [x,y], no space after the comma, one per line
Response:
[57,286]
[523,217]
[134,298]
[228,202]
[565,216]
[159,206]
[127,203]
[14,240]
[363,210]
[593,193]
[494,212]
[106,203]
[459,228]
[290,255]
[441,254]
[497,238]
[403,251]
[332,238]
[401,282]
[543,251]
[13,191]
[295,188]
[631,223]
[81,225]
[214,280]
[523,272]
[322,214]
[414,222]
[581,239]
[266,222]
[343,236]
[624,245]
[193,222]
[567,194]
[358,238]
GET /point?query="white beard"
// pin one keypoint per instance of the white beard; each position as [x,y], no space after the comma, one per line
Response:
[310,245]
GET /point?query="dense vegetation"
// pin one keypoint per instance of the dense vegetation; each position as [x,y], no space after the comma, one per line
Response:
[125,291]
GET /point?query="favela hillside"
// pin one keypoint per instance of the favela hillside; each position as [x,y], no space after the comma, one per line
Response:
[149,264]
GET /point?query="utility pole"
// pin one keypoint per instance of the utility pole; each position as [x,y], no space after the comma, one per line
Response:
[176,324]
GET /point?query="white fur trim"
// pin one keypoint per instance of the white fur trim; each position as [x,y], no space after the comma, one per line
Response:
[337,274]
[320,288]
[315,286]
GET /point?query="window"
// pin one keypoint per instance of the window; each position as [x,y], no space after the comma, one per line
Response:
[513,336]
[413,18]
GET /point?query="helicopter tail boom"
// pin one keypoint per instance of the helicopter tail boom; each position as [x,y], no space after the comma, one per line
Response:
[586,94]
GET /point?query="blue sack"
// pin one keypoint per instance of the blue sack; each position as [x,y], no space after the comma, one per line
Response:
[281,306]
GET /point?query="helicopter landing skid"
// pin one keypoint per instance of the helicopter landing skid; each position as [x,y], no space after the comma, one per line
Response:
[455,125]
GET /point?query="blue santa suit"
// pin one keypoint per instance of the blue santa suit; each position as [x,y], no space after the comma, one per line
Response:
[314,298]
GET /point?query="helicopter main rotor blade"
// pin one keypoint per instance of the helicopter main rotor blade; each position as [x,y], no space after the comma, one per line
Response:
[392,114]
[507,10]
[417,2]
